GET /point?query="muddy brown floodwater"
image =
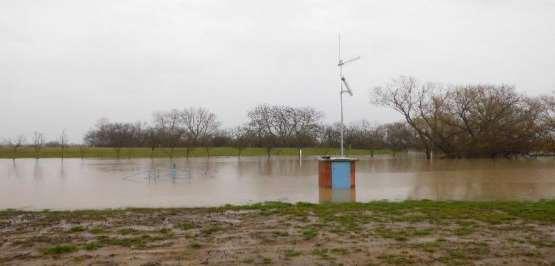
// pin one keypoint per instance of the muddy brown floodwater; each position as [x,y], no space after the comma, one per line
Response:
[108,183]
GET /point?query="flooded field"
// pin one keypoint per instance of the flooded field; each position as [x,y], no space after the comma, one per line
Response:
[101,183]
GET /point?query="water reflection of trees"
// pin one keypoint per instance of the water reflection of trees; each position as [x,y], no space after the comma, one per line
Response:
[37,170]
[285,167]
[484,184]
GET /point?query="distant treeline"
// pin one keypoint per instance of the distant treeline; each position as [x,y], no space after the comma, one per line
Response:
[82,151]
[268,127]
[453,121]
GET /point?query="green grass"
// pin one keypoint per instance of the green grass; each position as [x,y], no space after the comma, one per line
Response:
[195,245]
[186,226]
[133,242]
[441,229]
[393,259]
[292,253]
[75,152]
[92,246]
[310,233]
[212,229]
[347,215]
[402,234]
[127,231]
[60,249]
[492,212]
[77,229]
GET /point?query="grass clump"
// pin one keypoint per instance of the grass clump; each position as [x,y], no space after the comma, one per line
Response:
[310,233]
[77,229]
[97,230]
[323,253]
[393,259]
[195,245]
[61,249]
[166,231]
[292,253]
[402,234]
[127,231]
[186,226]
[212,229]
[280,233]
[132,242]
[92,246]
[248,261]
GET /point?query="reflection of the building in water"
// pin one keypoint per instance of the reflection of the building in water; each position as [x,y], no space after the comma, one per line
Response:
[337,195]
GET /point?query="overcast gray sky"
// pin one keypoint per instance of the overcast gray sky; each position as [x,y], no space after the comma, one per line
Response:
[65,64]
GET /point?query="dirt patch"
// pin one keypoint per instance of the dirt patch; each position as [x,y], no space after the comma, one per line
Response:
[275,234]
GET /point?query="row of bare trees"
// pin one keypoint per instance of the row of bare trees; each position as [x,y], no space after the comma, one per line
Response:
[14,145]
[471,121]
[453,121]
[268,126]
[273,126]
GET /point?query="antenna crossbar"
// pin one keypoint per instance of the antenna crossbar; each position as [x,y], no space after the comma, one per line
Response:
[343,82]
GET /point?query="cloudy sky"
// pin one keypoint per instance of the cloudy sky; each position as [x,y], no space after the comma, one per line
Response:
[65,64]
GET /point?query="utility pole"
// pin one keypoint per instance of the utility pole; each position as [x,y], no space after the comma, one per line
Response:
[347,89]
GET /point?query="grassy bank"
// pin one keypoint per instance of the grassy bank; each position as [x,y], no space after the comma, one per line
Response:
[412,232]
[76,152]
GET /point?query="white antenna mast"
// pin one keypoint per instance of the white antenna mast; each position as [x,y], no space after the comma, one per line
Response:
[342,82]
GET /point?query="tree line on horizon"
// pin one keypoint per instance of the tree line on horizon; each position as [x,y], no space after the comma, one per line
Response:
[453,121]
[268,127]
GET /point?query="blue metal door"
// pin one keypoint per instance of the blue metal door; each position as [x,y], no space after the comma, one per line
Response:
[341,175]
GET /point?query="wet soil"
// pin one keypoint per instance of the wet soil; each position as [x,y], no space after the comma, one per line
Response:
[421,233]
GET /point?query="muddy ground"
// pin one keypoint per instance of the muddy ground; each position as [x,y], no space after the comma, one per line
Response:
[283,234]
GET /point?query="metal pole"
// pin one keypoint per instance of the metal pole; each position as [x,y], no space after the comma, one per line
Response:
[340,92]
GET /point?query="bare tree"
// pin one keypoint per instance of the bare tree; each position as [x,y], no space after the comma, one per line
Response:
[305,122]
[82,150]
[152,139]
[469,121]
[363,135]
[400,136]
[278,125]
[329,135]
[115,135]
[169,127]
[14,145]
[38,143]
[411,99]
[241,138]
[63,142]
[262,123]
[549,123]
[200,125]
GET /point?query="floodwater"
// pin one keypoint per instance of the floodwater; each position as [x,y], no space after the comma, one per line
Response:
[101,183]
